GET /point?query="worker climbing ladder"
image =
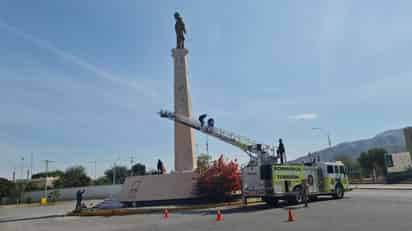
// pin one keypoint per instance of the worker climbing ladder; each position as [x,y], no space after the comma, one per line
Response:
[249,146]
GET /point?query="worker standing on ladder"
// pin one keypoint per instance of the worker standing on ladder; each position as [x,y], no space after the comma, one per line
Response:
[202,119]
[281,152]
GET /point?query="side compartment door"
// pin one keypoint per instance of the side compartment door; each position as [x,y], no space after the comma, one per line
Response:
[321,180]
[312,178]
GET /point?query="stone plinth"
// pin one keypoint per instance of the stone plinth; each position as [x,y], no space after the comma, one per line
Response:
[185,158]
[175,186]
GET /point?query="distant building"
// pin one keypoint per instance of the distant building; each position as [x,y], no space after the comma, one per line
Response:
[407,132]
[39,182]
[399,165]
[398,162]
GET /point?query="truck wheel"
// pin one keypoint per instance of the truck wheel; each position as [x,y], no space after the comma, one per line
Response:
[339,192]
[270,201]
[313,198]
[298,197]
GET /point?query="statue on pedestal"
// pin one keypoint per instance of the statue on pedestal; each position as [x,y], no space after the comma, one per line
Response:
[180,31]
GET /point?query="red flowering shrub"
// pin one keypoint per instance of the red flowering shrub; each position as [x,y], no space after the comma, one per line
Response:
[220,180]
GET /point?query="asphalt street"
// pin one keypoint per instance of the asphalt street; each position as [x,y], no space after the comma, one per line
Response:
[359,210]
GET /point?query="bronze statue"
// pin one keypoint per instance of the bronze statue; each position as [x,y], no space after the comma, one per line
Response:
[180,31]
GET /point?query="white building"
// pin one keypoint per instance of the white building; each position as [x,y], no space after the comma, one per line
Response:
[398,162]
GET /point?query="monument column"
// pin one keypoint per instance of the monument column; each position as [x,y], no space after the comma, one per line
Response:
[185,159]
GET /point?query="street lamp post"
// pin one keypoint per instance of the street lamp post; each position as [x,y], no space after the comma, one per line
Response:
[47,162]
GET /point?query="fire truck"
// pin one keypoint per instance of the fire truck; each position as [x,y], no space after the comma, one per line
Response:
[266,176]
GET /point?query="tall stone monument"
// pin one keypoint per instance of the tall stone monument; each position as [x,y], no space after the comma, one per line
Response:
[180,185]
[185,158]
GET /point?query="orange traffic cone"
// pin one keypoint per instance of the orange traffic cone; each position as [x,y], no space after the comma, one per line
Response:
[290,216]
[219,216]
[166,215]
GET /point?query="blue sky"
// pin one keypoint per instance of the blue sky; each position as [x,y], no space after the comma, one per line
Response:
[82,80]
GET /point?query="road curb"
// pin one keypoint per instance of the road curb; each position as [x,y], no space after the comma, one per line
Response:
[381,188]
[131,211]
[32,218]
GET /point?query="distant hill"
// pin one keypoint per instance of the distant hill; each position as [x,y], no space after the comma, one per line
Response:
[391,141]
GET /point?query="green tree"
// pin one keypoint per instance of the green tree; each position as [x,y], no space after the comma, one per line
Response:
[58,173]
[378,160]
[121,174]
[6,187]
[103,180]
[138,169]
[203,162]
[373,159]
[74,177]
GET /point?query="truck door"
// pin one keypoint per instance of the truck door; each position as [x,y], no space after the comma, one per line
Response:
[321,180]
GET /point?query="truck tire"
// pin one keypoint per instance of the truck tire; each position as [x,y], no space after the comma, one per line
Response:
[270,201]
[298,197]
[313,198]
[339,192]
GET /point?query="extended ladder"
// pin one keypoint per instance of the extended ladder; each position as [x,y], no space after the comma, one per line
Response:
[249,146]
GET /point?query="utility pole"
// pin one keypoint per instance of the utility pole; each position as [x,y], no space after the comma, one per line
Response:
[114,172]
[22,168]
[14,175]
[31,165]
[207,144]
[95,172]
[45,180]
[131,165]
[327,134]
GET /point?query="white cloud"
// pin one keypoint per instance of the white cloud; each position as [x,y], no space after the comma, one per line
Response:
[305,116]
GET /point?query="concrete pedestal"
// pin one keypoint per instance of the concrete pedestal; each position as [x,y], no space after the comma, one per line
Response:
[177,186]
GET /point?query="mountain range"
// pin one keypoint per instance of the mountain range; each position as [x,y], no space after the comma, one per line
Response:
[392,141]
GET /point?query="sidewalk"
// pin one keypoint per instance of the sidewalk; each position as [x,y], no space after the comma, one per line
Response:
[35,211]
[382,186]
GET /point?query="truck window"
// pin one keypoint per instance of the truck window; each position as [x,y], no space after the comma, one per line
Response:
[266,172]
[336,169]
[342,169]
[330,169]
[388,160]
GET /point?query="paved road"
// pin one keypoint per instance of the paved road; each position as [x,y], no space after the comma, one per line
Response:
[8,212]
[359,210]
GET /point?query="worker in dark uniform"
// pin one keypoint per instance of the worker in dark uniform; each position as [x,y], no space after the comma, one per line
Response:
[281,152]
[210,123]
[305,187]
[202,119]
[160,167]
[79,198]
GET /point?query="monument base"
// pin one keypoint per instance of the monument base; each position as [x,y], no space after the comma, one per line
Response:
[157,188]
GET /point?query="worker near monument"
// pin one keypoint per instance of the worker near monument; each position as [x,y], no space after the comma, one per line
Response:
[210,123]
[79,198]
[202,119]
[160,167]
[305,187]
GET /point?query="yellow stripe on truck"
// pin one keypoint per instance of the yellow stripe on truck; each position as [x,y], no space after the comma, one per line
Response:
[291,173]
